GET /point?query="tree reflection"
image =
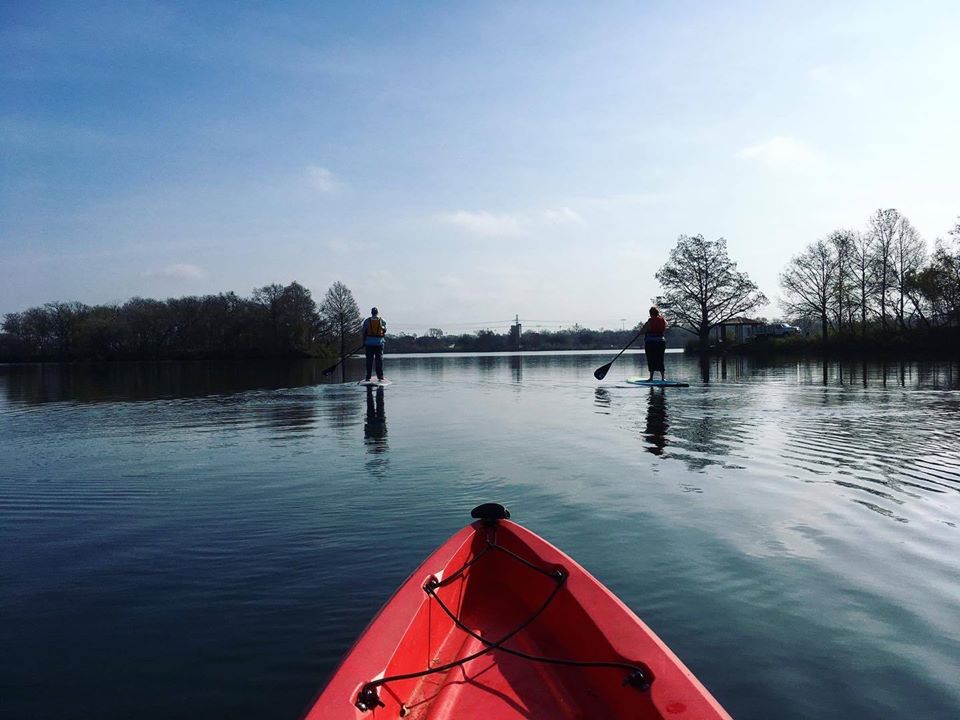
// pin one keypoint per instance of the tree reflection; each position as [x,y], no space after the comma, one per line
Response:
[286,413]
[341,409]
[705,367]
[143,381]
[516,364]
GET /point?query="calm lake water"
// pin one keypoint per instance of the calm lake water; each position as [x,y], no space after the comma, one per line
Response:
[191,540]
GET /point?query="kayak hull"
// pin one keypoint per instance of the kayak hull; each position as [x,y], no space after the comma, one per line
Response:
[574,618]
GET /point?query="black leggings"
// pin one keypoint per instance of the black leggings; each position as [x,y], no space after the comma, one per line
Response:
[374,352]
[655,350]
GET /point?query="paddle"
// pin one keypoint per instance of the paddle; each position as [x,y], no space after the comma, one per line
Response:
[337,363]
[601,372]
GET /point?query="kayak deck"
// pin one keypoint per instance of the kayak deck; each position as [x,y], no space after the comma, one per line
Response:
[427,655]
[495,685]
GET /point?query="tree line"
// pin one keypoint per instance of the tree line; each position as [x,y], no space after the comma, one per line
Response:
[573,338]
[876,287]
[877,283]
[864,286]
[275,321]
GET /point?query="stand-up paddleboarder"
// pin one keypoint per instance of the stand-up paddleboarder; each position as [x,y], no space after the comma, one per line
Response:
[654,343]
[374,331]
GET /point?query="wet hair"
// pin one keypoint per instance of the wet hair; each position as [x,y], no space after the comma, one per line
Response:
[654,311]
[373,311]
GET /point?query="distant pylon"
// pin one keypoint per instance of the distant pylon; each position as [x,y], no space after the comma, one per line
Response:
[516,332]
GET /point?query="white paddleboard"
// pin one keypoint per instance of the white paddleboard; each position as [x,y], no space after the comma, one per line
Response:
[655,383]
[374,383]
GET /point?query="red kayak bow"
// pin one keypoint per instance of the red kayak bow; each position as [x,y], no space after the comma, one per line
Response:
[498,623]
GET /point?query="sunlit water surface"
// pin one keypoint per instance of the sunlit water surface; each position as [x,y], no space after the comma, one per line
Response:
[207,540]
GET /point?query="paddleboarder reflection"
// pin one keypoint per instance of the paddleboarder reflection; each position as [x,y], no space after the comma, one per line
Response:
[655,433]
[375,424]
[601,398]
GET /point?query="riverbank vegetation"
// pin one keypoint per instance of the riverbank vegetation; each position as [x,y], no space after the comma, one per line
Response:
[275,321]
[877,290]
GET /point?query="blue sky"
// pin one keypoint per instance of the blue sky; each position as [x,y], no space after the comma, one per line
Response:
[457,163]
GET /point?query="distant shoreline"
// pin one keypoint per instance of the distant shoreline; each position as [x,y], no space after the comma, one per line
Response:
[932,347]
[810,349]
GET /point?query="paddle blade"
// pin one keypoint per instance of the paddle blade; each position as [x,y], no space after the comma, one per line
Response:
[601,372]
[333,367]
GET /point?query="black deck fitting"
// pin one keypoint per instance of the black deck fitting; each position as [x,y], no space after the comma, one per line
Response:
[490,512]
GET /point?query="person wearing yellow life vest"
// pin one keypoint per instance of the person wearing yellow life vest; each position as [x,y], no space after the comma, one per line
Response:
[374,331]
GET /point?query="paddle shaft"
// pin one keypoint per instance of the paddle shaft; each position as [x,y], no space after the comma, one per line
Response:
[342,358]
[601,372]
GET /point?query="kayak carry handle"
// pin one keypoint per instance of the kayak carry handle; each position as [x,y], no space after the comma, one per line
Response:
[490,512]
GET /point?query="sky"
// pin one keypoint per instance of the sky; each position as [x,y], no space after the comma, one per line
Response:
[457,164]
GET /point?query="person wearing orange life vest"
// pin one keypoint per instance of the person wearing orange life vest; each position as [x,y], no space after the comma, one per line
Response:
[654,343]
[374,331]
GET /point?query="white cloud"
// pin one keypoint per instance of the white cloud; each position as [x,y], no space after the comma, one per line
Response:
[322,179]
[562,215]
[783,152]
[628,199]
[178,271]
[485,224]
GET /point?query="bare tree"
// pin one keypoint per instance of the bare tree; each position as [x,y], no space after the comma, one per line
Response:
[269,297]
[65,319]
[909,254]
[341,313]
[883,227]
[702,286]
[842,243]
[809,284]
[938,282]
[863,275]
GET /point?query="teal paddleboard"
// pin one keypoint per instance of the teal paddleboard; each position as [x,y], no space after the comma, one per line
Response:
[655,383]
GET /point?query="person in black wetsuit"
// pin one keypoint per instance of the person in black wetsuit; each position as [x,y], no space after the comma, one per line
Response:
[654,342]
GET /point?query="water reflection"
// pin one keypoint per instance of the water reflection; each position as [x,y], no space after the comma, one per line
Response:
[290,413]
[138,381]
[375,423]
[192,505]
[341,408]
[705,437]
[488,364]
[705,368]
[602,400]
[655,432]
[516,364]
